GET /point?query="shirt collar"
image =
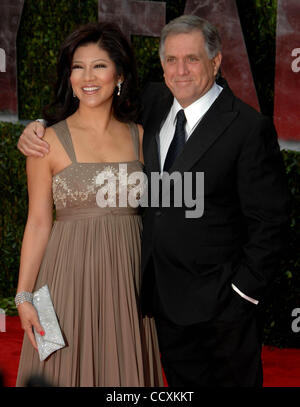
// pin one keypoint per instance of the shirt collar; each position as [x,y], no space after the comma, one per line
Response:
[198,108]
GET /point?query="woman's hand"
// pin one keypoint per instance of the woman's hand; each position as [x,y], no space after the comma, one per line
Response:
[29,319]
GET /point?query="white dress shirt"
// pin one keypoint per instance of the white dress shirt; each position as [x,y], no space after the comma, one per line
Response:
[193,113]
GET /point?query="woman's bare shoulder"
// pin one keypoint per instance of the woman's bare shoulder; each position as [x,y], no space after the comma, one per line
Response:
[57,155]
[52,138]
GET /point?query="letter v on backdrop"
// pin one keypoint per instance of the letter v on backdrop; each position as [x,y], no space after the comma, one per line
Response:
[287,70]
[10,16]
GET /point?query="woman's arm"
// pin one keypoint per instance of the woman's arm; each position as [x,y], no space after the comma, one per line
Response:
[36,235]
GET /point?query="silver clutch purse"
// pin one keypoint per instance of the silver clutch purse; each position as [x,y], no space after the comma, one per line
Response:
[53,339]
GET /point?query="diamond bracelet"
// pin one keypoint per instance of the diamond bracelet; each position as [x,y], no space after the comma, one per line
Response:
[23,297]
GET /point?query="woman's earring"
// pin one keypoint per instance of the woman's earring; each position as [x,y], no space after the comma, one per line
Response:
[119,88]
[74,96]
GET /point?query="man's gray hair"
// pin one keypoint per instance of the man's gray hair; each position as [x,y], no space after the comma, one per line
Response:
[187,24]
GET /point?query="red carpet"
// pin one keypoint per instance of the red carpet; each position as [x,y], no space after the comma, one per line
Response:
[10,348]
[281,366]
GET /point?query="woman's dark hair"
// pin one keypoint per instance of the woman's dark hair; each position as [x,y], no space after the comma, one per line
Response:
[109,38]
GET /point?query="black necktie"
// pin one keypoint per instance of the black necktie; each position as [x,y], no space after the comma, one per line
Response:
[178,141]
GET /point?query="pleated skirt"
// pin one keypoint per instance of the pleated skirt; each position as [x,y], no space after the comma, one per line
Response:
[92,269]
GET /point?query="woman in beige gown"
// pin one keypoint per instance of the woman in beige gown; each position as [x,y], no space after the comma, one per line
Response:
[90,256]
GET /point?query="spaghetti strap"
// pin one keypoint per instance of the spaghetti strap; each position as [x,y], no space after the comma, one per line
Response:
[62,131]
[134,131]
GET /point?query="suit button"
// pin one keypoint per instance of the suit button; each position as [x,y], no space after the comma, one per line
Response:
[158,213]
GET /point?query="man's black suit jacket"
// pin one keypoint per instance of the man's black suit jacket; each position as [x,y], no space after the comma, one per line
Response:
[240,236]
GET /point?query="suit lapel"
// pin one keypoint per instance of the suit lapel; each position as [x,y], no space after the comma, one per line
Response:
[151,135]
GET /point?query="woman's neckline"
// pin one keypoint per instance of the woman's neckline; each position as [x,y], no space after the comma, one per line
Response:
[95,163]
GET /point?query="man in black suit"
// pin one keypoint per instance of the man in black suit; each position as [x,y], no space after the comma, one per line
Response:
[204,278]
[206,273]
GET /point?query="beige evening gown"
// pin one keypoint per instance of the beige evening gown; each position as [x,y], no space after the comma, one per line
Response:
[92,268]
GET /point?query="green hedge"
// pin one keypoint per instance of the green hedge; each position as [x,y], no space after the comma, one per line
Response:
[13,206]
[13,191]
[285,296]
[258,20]
[44,25]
